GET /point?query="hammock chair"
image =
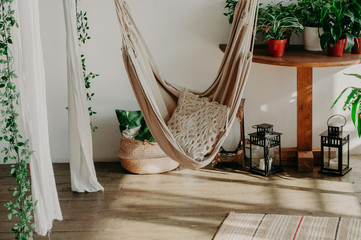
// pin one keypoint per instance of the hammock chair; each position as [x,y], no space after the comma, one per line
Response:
[157,98]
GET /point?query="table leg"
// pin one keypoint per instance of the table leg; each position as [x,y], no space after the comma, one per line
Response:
[304,119]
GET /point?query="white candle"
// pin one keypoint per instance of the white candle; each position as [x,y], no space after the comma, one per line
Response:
[262,164]
[333,164]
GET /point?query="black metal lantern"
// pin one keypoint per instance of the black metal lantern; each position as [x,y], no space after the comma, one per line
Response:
[265,150]
[335,147]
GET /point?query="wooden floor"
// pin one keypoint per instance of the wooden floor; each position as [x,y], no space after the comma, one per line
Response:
[186,204]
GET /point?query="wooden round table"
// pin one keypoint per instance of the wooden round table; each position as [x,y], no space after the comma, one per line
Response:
[305,61]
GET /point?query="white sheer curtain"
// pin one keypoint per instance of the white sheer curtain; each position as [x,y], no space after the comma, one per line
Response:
[83,176]
[33,103]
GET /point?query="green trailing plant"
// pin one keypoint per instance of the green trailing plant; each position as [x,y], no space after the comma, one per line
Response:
[335,24]
[83,37]
[277,27]
[134,120]
[352,103]
[309,12]
[16,149]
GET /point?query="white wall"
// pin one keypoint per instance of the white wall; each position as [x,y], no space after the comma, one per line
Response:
[184,37]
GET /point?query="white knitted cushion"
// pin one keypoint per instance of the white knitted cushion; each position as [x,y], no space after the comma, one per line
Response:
[196,124]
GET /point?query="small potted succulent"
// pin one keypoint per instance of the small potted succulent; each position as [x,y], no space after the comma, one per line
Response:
[276,28]
[309,14]
[336,35]
[138,152]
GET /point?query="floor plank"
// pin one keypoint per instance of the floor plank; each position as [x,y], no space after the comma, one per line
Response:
[187,204]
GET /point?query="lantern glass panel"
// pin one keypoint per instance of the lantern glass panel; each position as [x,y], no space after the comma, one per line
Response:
[276,157]
[257,155]
[335,158]
[258,158]
[331,157]
[345,154]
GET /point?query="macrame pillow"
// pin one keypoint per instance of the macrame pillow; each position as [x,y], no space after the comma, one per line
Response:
[196,124]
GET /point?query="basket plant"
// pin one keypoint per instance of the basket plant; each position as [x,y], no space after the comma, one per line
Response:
[138,151]
[132,125]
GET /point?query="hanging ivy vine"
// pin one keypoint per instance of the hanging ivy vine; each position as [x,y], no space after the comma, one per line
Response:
[16,149]
[83,37]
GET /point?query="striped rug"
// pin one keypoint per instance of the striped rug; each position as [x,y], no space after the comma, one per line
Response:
[285,227]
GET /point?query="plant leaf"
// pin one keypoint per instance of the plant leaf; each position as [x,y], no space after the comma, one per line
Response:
[354,74]
[354,109]
[350,96]
[122,119]
[324,39]
[349,41]
[135,119]
[359,121]
[339,96]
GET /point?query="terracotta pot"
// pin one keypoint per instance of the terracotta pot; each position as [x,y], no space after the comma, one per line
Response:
[357,47]
[337,49]
[276,48]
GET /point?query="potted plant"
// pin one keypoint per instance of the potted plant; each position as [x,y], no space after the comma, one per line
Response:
[354,19]
[285,11]
[276,28]
[309,14]
[138,152]
[352,104]
[279,10]
[274,9]
[336,36]
[357,40]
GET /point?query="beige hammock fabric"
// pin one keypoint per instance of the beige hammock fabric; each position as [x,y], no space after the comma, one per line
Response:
[157,98]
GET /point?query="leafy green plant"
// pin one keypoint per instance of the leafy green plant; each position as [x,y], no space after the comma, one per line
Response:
[16,149]
[354,17]
[134,119]
[230,7]
[309,12]
[353,104]
[271,17]
[83,37]
[277,27]
[335,24]
[279,8]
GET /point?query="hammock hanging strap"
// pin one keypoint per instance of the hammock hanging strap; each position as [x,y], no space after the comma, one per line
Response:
[157,98]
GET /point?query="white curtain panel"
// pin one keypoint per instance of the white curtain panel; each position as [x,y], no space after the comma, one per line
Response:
[33,104]
[83,176]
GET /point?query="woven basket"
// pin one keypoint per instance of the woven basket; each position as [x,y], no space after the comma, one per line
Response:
[144,157]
